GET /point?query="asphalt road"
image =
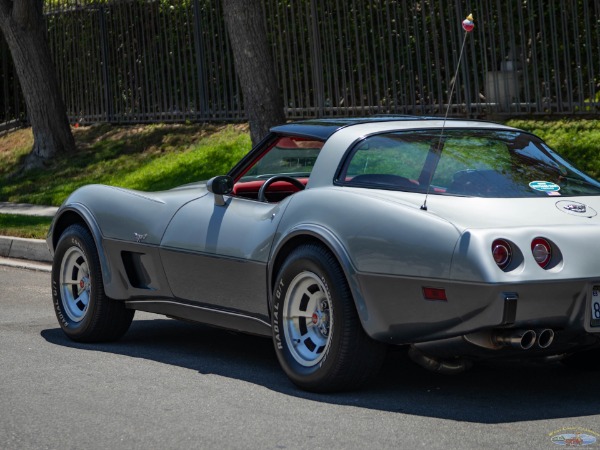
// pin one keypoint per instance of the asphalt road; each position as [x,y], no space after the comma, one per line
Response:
[170,385]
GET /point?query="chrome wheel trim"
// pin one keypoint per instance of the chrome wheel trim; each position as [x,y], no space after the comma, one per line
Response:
[307,319]
[75,284]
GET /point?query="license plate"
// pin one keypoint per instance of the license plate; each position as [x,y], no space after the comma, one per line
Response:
[595,307]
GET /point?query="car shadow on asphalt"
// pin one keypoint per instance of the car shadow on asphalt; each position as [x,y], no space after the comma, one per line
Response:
[488,393]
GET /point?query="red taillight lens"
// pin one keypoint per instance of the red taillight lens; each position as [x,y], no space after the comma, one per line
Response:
[542,251]
[502,253]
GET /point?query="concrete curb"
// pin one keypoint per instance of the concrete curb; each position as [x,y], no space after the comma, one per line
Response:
[20,252]
[20,248]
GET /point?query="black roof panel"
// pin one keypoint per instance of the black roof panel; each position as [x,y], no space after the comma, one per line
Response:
[323,128]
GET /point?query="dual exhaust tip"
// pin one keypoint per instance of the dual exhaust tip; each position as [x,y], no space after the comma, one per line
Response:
[525,339]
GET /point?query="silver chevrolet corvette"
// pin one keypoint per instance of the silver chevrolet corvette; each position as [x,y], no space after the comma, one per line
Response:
[461,240]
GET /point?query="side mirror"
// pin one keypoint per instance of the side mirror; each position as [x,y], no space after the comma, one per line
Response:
[220,186]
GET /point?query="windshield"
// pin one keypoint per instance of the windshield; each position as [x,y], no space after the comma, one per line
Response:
[290,156]
[481,163]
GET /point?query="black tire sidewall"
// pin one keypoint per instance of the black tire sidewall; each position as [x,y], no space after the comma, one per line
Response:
[311,377]
[74,236]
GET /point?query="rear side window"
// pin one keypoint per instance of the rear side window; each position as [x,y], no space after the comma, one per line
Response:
[392,161]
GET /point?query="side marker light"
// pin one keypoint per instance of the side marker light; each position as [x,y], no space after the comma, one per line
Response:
[435,294]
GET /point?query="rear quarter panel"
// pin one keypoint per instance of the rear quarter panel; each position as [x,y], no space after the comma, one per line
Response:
[379,236]
[387,249]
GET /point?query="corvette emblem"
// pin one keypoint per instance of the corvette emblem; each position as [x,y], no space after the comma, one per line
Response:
[576,209]
[140,237]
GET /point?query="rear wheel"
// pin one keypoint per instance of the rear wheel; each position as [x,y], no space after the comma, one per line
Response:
[84,312]
[318,337]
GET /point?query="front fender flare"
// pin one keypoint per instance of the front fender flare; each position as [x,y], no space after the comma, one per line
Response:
[64,218]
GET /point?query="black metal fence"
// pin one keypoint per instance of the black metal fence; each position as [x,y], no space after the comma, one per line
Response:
[139,61]
[169,60]
[12,106]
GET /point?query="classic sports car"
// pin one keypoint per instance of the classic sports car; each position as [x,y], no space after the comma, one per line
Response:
[464,240]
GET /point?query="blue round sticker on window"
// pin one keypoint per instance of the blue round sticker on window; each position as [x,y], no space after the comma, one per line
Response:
[544,186]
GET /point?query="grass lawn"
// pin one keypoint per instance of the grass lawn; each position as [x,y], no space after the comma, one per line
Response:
[144,157]
[24,226]
[162,156]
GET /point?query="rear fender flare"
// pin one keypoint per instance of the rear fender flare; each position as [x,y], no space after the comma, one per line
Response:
[312,233]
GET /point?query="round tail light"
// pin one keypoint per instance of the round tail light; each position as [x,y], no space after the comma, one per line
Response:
[502,253]
[542,251]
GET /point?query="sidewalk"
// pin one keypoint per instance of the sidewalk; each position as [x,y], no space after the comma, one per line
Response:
[25,253]
[27,210]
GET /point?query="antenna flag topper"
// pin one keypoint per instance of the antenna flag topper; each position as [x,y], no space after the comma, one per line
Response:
[468,24]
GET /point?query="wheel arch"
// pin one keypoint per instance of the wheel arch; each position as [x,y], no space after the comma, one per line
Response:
[316,234]
[80,215]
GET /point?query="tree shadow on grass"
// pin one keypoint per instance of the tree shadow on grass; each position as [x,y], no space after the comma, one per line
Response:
[490,393]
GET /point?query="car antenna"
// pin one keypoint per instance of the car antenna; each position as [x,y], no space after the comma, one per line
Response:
[468,26]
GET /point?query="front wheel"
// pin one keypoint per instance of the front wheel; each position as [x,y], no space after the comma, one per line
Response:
[83,311]
[318,337]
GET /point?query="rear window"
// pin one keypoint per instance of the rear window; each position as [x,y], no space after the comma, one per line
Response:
[482,163]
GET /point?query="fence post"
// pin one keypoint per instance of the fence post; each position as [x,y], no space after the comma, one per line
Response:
[317,62]
[200,62]
[108,101]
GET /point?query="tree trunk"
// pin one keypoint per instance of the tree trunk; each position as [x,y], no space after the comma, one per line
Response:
[254,65]
[24,30]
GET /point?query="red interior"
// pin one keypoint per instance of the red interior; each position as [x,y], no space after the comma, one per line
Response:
[250,188]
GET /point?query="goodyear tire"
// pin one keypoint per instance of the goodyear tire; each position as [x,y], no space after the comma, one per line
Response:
[83,311]
[318,337]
